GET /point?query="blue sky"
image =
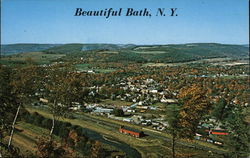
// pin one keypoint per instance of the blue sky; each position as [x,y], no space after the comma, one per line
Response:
[53,21]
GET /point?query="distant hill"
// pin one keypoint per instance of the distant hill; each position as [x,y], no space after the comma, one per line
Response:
[199,49]
[65,49]
[161,53]
[9,49]
[73,48]
[87,47]
[246,45]
[135,53]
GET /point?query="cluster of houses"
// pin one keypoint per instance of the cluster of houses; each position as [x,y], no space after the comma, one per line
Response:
[211,131]
[132,114]
[143,94]
[147,90]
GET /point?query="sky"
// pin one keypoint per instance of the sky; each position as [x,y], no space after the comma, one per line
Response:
[53,21]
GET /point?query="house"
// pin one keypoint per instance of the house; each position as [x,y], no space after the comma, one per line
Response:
[131,110]
[90,71]
[131,132]
[102,110]
[197,136]
[142,107]
[142,111]
[75,108]
[43,100]
[146,123]
[127,120]
[164,100]
[154,91]
[152,108]
[140,103]
[137,119]
[156,123]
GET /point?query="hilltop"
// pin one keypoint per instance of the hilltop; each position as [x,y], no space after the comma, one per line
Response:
[134,53]
[8,49]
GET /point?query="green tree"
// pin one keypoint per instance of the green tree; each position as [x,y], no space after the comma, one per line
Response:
[118,112]
[219,110]
[8,108]
[239,133]
[172,117]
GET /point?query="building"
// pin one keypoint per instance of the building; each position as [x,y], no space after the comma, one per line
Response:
[217,132]
[170,101]
[103,110]
[131,132]
[43,100]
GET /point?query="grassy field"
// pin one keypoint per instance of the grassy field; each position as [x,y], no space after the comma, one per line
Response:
[86,67]
[37,57]
[150,52]
[213,61]
[108,52]
[26,136]
[145,144]
[163,64]
[145,47]
[117,103]
[104,70]
[82,66]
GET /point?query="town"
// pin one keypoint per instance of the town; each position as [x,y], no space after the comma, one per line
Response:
[128,108]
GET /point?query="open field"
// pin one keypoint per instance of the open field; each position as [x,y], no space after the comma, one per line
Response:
[108,52]
[232,63]
[37,57]
[88,67]
[117,103]
[143,47]
[150,52]
[26,136]
[213,61]
[82,66]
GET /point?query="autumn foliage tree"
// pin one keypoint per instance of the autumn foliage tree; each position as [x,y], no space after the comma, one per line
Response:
[195,104]
[7,111]
[97,150]
[24,82]
[55,89]
[49,149]
[63,87]
[17,87]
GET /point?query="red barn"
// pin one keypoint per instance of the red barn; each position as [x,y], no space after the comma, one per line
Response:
[132,132]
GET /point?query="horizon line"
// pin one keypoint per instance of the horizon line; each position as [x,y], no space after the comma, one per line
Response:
[133,43]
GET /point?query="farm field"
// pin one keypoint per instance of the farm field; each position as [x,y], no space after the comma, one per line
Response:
[27,135]
[35,57]
[89,67]
[116,102]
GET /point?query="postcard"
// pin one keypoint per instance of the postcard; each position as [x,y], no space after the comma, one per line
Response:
[124,78]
